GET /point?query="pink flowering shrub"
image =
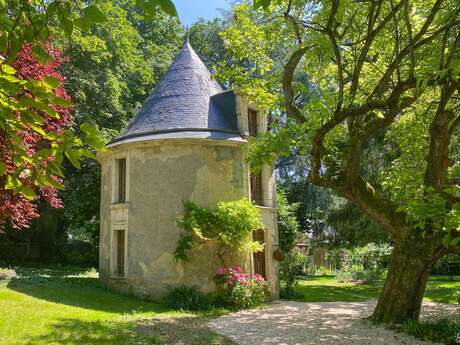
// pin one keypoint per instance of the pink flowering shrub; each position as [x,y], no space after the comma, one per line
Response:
[238,290]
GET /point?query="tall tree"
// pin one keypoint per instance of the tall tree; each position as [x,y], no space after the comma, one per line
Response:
[374,68]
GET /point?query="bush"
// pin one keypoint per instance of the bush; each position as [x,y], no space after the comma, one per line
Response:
[7,274]
[237,290]
[189,298]
[367,263]
[80,253]
[443,330]
[293,264]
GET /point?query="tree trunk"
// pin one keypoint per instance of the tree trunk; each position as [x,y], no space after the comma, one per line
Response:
[411,263]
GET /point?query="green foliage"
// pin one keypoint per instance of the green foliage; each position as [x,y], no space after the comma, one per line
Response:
[442,330]
[334,79]
[79,253]
[288,228]
[231,224]
[367,263]
[293,264]
[189,298]
[250,69]
[352,227]
[444,265]
[114,65]
[206,41]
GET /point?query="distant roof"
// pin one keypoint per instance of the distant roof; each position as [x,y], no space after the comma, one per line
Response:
[187,103]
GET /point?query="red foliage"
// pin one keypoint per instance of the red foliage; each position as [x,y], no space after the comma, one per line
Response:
[15,208]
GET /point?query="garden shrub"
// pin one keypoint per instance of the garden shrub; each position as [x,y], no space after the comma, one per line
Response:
[442,330]
[335,258]
[7,274]
[238,290]
[293,264]
[189,298]
[367,263]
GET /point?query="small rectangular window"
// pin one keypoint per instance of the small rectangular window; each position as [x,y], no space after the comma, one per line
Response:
[256,188]
[121,163]
[120,253]
[252,123]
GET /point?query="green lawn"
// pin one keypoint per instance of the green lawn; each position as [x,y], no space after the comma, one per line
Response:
[71,307]
[327,289]
[66,307]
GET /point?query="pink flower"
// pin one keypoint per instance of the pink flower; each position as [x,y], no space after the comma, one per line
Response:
[258,278]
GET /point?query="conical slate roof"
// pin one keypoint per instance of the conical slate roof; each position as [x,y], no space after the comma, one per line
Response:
[187,103]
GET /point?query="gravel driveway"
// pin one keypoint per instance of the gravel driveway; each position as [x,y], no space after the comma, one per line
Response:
[297,323]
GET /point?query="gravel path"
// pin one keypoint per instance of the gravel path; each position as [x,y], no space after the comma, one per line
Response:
[297,323]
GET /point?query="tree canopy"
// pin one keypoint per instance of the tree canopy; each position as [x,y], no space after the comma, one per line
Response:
[352,77]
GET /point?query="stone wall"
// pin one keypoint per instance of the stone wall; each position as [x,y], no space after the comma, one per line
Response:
[162,176]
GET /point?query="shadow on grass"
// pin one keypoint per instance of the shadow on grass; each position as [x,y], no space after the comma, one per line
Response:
[185,330]
[70,287]
[78,332]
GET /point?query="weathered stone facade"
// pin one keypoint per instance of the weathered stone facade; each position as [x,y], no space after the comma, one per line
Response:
[162,173]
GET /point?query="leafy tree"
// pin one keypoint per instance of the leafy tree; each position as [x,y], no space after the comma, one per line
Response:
[288,228]
[35,122]
[34,136]
[206,41]
[113,66]
[373,69]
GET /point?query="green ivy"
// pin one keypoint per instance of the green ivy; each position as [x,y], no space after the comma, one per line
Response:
[230,224]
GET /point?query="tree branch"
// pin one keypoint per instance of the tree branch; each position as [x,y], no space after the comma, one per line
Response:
[287,78]
[330,31]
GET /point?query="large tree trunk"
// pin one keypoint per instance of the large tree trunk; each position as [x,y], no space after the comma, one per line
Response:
[411,263]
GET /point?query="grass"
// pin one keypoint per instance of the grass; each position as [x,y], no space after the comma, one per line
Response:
[71,307]
[327,289]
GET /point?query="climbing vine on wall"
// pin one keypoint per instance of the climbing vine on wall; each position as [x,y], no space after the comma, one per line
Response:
[230,224]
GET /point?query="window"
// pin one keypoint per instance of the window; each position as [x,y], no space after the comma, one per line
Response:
[121,165]
[120,253]
[256,188]
[252,122]
[259,257]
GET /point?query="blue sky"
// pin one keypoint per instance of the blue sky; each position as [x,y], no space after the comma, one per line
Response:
[190,10]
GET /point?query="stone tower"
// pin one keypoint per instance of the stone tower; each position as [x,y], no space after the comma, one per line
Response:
[184,144]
